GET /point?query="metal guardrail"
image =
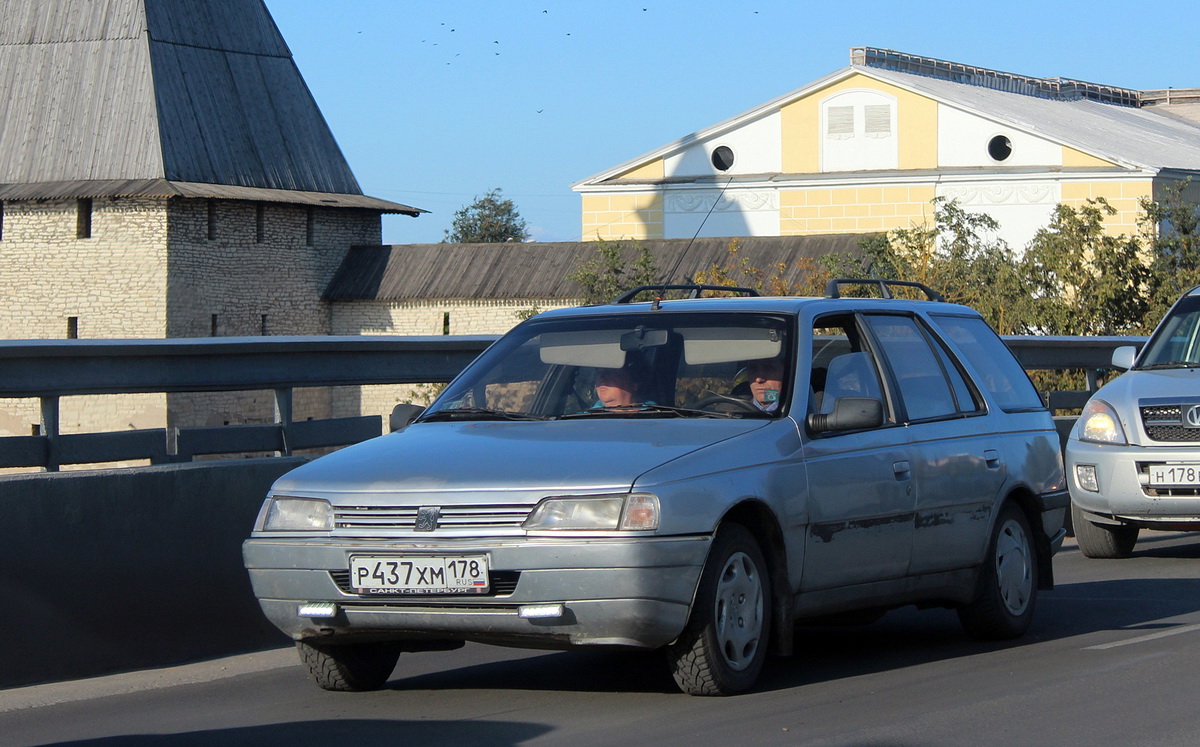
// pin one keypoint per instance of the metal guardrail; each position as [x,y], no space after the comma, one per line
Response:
[50,369]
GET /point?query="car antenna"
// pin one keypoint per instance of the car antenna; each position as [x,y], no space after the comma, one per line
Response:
[666,278]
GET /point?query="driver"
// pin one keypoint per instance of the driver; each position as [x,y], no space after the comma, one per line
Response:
[765,377]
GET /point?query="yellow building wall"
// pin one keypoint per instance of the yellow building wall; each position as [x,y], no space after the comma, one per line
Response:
[1075,158]
[853,210]
[1125,196]
[612,217]
[653,170]
[916,122]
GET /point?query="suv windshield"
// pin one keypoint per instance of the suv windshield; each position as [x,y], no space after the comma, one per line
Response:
[1176,342]
[657,364]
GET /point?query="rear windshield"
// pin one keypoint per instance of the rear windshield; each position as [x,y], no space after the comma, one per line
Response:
[999,372]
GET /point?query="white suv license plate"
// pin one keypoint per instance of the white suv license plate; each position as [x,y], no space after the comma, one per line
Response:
[1175,474]
[419,574]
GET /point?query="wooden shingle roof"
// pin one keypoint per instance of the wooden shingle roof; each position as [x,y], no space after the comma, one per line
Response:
[534,270]
[144,91]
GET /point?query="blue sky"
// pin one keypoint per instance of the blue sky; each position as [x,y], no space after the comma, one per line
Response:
[434,102]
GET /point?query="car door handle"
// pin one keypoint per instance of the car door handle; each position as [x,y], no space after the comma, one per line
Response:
[992,457]
[902,469]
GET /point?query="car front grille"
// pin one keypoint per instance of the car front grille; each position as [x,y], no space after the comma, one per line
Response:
[1165,423]
[481,516]
[500,584]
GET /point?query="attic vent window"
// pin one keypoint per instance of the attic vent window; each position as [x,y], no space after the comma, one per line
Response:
[999,148]
[878,120]
[722,158]
[839,123]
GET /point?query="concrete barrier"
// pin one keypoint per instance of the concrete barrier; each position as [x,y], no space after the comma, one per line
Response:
[106,571]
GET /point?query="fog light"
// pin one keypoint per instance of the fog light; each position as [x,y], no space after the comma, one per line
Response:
[537,611]
[1085,475]
[318,609]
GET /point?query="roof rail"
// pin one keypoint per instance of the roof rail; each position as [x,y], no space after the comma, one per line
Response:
[694,291]
[833,287]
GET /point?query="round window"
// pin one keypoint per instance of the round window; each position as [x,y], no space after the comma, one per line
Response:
[722,158]
[999,148]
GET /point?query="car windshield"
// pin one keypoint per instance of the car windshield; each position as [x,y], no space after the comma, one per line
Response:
[653,365]
[1176,342]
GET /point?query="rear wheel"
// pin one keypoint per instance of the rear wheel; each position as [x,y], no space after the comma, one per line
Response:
[351,667]
[1102,540]
[722,650]
[1004,602]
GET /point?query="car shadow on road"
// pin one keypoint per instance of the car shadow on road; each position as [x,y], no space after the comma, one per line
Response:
[340,731]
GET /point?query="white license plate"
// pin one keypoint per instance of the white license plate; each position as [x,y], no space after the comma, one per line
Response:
[1175,474]
[419,574]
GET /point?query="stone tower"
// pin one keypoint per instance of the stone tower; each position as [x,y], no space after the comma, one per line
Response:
[165,172]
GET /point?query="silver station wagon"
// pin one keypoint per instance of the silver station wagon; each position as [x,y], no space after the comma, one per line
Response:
[1134,453]
[694,475]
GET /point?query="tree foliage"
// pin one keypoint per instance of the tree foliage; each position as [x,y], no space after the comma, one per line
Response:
[490,219]
[614,269]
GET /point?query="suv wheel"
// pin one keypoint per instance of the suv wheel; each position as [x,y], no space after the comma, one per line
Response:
[1102,540]
[1004,602]
[350,667]
[722,649]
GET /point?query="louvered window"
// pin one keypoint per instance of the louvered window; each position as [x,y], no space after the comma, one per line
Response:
[878,120]
[839,123]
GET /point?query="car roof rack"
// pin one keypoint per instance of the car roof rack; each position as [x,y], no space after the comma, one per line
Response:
[833,287]
[694,291]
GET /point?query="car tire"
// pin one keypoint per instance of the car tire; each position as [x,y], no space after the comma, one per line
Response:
[722,649]
[1102,540]
[351,667]
[1007,592]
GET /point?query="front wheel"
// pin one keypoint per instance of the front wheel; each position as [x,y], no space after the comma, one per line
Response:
[1102,540]
[1007,593]
[350,667]
[722,649]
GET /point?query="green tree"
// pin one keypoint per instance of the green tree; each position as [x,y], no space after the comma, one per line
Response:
[490,219]
[1083,281]
[613,269]
[1172,230]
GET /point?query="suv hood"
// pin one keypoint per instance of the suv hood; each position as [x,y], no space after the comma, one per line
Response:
[510,457]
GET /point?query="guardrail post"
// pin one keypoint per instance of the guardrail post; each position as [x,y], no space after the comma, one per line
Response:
[50,431]
[283,417]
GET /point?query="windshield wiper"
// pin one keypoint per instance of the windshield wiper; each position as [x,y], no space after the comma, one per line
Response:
[1169,364]
[479,413]
[649,410]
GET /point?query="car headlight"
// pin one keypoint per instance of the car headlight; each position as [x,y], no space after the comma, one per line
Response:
[282,514]
[1099,423]
[626,511]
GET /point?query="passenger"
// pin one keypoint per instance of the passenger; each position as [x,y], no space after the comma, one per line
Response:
[621,387]
[766,382]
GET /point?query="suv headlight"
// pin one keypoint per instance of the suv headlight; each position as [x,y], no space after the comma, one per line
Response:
[1099,423]
[283,514]
[626,511]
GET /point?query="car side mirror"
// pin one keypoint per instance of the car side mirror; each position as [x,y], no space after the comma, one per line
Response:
[402,415]
[1123,357]
[849,414]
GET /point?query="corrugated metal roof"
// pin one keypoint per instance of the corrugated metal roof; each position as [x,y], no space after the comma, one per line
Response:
[203,91]
[540,270]
[164,188]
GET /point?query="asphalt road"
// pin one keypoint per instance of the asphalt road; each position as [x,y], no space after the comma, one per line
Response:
[1112,658]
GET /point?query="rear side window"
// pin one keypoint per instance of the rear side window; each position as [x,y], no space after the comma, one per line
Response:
[1000,372]
[930,384]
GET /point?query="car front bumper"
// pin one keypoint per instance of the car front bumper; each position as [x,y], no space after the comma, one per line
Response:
[631,592]
[1125,493]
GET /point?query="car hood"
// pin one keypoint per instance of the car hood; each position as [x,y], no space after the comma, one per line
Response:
[507,457]
[1136,388]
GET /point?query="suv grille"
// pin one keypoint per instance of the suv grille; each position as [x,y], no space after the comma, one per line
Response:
[500,584]
[483,516]
[1165,423]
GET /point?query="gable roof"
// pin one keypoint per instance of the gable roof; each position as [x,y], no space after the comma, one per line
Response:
[541,270]
[1133,136]
[200,92]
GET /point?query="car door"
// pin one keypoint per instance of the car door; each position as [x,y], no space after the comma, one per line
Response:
[861,500]
[957,468]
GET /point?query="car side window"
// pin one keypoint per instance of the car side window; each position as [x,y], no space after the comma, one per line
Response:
[931,386]
[994,364]
[842,365]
